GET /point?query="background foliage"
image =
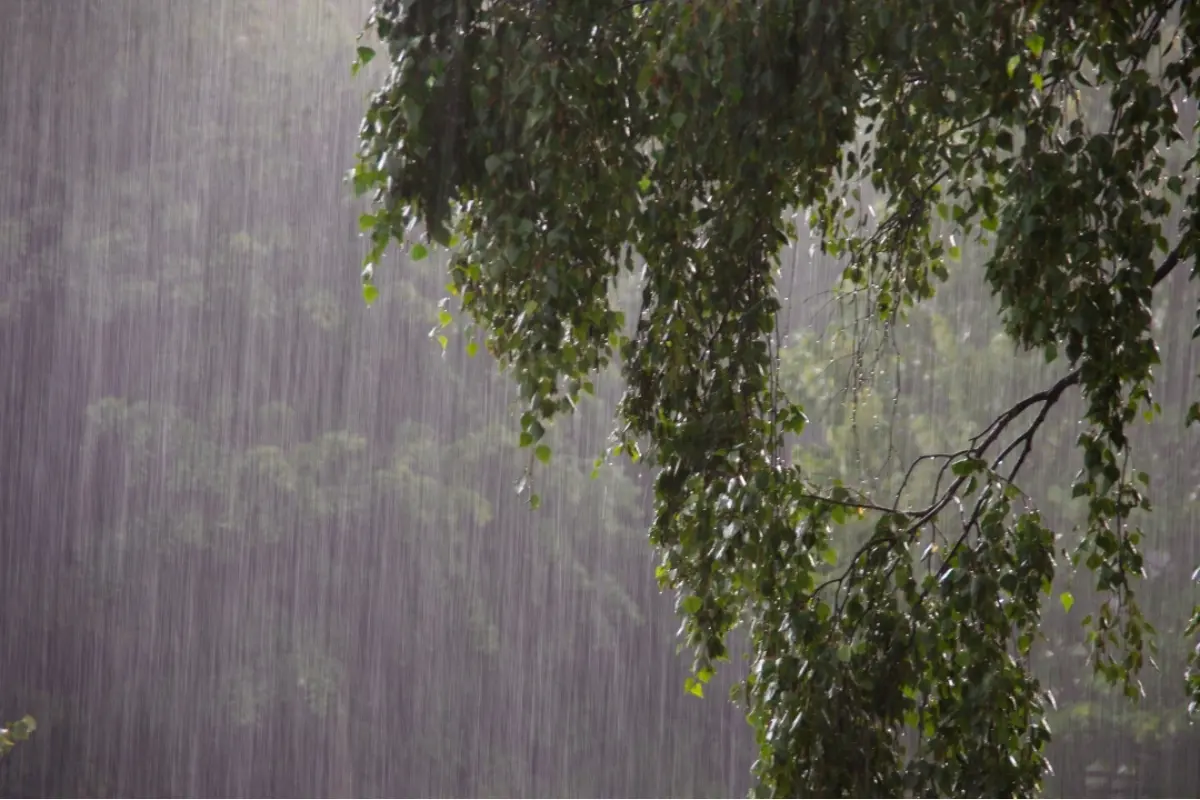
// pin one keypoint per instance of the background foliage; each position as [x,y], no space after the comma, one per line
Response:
[255,542]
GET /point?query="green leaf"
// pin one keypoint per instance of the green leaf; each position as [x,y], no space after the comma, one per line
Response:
[370,293]
[692,604]
[418,252]
[1011,67]
[794,419]
[964,467]
[678,119]
[693,687]
[444,318]
[542,453]
[1035,43]
[1067,599]
[443,341]
[535,502]
[365,54]
[829,556]
[644,77]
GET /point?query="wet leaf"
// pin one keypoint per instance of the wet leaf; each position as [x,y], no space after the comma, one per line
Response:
[1067,599]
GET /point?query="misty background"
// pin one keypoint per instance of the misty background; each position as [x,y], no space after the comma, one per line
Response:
[257,539]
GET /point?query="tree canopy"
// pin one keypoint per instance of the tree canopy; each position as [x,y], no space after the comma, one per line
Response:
[559,150]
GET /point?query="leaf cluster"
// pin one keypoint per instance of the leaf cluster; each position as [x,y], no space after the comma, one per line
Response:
[558,149]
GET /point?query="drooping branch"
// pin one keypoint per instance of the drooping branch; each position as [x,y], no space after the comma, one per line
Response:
[980,444]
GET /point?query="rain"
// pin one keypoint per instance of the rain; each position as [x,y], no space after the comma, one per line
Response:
[258,539]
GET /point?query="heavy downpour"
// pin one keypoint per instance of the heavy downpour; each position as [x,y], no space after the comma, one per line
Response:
[599,398]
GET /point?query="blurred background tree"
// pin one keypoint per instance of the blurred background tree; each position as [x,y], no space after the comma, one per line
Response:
[255,542]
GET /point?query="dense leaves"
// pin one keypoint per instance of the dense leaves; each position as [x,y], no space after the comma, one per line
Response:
[562,149]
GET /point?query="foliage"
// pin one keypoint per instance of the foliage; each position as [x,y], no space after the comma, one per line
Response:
[958,371]
[561,149]
[15,732]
